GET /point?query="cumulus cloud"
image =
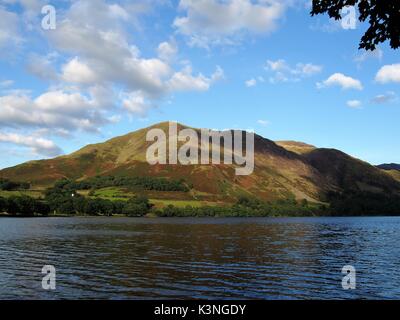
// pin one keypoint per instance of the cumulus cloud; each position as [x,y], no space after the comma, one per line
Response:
[39,146]
[208,22]
[356,104]
[78,72]
[55,109]
[135,103]
[167,50]
[30,7]
[93,33]
[82,97]
[388,73]
[251,83]
[283,72]
[112,57]
[42,66]
[186,81]
[95,72]
[339,79]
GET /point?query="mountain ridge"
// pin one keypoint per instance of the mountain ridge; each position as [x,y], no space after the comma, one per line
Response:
[389,166]
[280,173]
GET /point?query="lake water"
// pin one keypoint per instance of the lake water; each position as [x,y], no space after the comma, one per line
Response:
[249,258]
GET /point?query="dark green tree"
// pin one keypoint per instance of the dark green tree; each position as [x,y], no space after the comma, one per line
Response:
[42,208]
[137,206]
[3,204]
[79,203]
[383,17]
[66,207]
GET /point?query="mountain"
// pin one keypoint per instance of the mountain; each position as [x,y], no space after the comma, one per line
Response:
[393,169]
[389,166]
[282,170]
[348,173]
[296,147]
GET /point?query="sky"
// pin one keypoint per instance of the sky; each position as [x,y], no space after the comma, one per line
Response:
[106,68]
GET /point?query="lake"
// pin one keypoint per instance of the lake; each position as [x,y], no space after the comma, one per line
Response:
[195,258]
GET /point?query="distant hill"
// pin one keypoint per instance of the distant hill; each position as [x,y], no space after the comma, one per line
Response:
[389,166]
[348,173]
[283,170]
[392,169]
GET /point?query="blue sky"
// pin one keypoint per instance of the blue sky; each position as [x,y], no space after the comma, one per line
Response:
[111,67]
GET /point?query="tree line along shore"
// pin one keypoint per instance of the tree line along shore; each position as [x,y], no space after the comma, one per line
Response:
[63,199]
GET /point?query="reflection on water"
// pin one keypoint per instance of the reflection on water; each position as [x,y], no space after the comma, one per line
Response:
[260,258]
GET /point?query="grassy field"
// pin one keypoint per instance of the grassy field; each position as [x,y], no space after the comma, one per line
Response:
[114,193]
[111,193]
[158,199]
[31,193]
[161,203]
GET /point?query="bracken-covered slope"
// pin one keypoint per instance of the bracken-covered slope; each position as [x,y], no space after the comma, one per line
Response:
[279,173]
[393,169]
[295,146]
[348,173]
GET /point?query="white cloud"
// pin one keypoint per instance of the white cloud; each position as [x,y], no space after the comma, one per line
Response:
[55,109]
[356,104]
[283,72]
[217,22]
[186,81]
[136,103]
[388,73]
[37,145]
[251,83]
[103,55]
[42,66]
[278,65]
[218,75]
[167,51]
[339,79]
[78,72]
[99,14]
[264,123]
[101,69]
[112,58]
[387,97]
[307,69]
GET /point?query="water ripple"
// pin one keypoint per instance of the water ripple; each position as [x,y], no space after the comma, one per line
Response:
[119,258]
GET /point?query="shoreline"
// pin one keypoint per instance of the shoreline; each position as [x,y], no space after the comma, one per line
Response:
[5,215]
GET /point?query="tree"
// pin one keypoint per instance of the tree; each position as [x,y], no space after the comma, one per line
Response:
[42,208]
[3,204]
[304,203]
[8,185]
[118,206]
[92,207]
[135,210]
[79,204]
[67,207]
[12,206]
[137,206]
[383,17]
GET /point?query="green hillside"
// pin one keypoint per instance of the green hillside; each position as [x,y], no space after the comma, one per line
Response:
[283,170]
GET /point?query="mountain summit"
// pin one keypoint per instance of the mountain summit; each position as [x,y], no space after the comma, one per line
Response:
[282,170]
